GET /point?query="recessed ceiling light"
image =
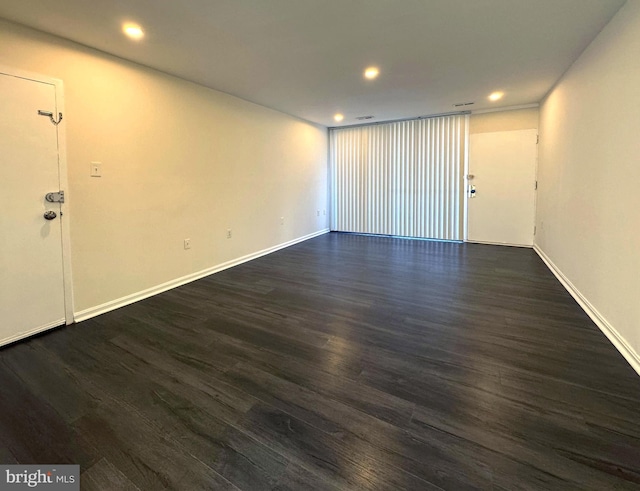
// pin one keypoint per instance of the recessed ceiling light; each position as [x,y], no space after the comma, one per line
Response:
[134,31]
[338,117]
[496,96]
[371,73]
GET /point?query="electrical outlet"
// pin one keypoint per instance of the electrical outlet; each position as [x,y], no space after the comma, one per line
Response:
[96,169]
[228,233]
[281,220]
[318,213]
[187,243]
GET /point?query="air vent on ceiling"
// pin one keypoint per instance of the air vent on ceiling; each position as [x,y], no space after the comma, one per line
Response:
[362,118]
[460,104]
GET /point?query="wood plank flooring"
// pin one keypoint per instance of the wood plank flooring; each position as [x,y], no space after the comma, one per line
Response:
[344,362]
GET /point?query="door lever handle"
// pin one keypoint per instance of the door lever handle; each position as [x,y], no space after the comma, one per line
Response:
[49,114]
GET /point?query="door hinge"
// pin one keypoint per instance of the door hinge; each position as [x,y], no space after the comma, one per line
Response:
[535,228]
[537,139]
[536,186]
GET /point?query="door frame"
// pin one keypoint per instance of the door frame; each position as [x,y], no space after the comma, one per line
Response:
[64,183]
[465,183]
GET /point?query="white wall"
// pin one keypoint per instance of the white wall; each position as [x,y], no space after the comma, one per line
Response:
[589,177]
[179,161]
[508,120]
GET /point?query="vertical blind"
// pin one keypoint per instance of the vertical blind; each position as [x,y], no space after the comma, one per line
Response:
[402,178]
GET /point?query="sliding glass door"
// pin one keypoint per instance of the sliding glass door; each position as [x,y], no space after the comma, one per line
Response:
[403,178]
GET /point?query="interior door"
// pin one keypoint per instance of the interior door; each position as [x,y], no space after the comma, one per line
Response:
[501,187]
[31,263]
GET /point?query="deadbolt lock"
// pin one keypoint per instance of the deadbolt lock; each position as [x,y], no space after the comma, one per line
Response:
[57,197]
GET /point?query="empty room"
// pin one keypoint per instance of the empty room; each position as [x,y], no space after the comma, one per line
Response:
[320,244]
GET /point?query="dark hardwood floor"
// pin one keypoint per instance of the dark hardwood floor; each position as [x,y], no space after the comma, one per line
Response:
[344,362]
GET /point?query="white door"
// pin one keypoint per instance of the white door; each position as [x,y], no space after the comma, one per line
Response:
[31,265]
[502,171]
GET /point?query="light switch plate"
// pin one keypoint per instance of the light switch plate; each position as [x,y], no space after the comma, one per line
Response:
[96,169]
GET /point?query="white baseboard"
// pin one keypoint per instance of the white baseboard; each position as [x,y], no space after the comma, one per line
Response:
[508,244]
[614,336]
[31,332]
[149,292]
